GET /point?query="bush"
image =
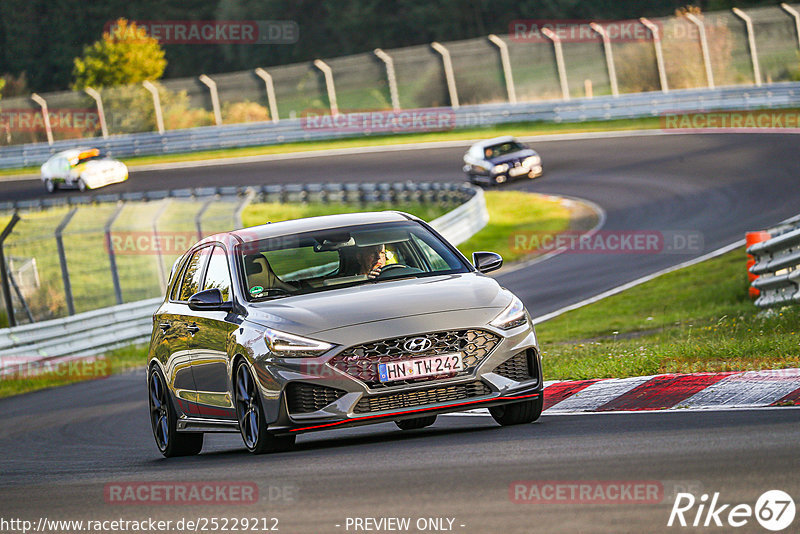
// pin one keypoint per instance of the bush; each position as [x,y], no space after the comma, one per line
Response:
[237,112]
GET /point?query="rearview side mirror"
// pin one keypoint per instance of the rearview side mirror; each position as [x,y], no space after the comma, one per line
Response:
[487,262]
[209,300]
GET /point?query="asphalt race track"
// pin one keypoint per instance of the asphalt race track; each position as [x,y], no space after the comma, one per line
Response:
[61,447]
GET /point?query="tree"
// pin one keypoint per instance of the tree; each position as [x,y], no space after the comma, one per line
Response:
[125,55]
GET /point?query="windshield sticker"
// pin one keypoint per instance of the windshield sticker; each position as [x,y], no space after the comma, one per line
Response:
[256,290]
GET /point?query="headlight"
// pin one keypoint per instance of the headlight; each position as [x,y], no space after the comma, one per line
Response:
[531,161]
[497,169]
[511,317]
[291,346]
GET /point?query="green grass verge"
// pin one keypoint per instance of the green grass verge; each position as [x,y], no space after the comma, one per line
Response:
[692,320]
[518,129]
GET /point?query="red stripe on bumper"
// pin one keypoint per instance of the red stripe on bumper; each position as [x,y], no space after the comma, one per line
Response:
[663,392]
[337,423]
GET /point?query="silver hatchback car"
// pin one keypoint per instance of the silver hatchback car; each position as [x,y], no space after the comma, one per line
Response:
[335,321]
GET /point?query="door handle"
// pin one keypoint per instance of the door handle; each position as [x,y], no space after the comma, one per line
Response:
[193,329]
[164,327]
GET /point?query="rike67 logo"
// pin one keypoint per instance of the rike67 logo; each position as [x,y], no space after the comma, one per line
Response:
[774,510]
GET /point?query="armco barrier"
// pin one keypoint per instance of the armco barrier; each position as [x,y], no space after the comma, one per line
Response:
[95,332]
[777,265]
[632,105]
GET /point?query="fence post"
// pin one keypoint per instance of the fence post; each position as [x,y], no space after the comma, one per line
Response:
[662,72]
[329,85]
[198,219]
[448,73]
[100,111]
[794,13]
[751,39]
[273,102]
[62,259]
[150,86]
[45,115]
[162,275]
[506,62]
[15,218]
[112,256]
[562,70]
[390,76]
[237,215]
[612,72]
[212,87]
[703,47]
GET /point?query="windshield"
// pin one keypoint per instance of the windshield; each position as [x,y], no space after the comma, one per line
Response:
[502,149]
[330,259]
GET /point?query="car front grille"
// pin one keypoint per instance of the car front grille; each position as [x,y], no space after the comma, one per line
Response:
[361,361]
[410,399]
[516,368]
[307,398]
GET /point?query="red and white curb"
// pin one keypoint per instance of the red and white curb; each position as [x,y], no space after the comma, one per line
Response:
[698,391]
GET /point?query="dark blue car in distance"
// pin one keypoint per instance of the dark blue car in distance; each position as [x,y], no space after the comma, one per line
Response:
[495,161]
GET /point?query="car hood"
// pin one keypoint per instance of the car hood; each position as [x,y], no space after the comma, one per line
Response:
[382,301]
[99,165]
[514,156]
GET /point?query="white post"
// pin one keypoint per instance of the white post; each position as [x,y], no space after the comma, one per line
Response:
[793,12]
[506,62]
[99,101]
[390,77]
[562,71]
[212,87]
[328,72]
[751,39]
[662,72]
[448,73]
[273,103]
[150,86]
[612,72]
[704,47]
[45,115]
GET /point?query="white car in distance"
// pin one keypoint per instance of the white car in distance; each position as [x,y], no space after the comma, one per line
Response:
[82,169]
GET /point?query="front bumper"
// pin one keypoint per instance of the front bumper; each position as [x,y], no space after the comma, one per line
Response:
[308,396]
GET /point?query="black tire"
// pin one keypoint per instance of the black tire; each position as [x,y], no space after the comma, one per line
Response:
[250,415]
[81,185]
[50,186]
[417,422]
[163,420]
[518,413]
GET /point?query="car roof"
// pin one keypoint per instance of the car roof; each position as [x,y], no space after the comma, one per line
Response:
[311,224]
[494,141]
[72,152]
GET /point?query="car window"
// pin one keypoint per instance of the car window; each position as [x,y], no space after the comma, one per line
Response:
[434,258]
[330,259]
[504,148]
[192,275]
[218,275]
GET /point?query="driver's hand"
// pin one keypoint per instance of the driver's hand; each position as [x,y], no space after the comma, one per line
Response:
[375,272]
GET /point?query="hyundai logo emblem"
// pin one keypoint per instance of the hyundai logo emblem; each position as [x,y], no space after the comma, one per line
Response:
[418,344]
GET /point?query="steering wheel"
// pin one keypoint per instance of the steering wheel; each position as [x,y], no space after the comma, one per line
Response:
[390,267]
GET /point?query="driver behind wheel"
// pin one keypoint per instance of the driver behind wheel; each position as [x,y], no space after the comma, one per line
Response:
[371,260]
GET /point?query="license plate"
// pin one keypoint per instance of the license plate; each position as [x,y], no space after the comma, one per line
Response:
[516,171]
[421,367]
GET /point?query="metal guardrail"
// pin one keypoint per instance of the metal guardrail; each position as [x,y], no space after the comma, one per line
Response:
[632,105]
[777,264]
[361,192]
[95,332]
